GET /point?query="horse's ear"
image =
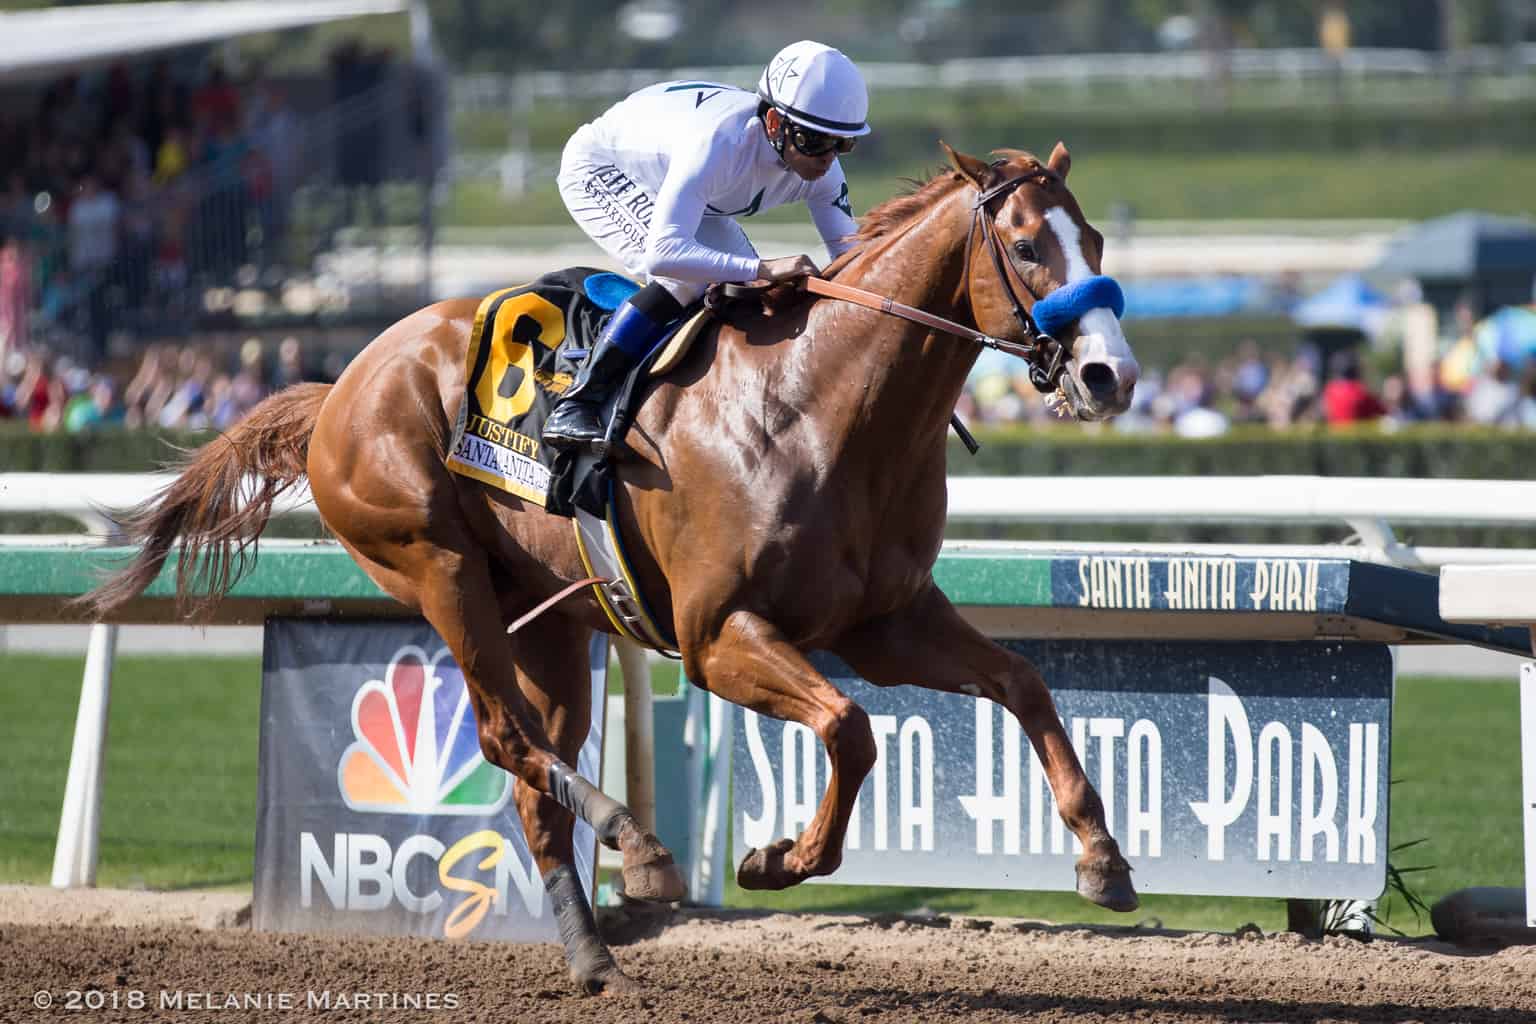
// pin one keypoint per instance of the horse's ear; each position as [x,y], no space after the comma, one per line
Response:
[977,172]
[1061,160]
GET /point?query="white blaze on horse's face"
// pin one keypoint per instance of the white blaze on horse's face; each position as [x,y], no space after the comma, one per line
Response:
[1102,365]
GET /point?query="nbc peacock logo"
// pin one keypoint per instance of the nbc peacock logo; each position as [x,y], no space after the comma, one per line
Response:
[416,749]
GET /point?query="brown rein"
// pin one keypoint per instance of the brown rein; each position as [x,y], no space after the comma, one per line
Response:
[883,304]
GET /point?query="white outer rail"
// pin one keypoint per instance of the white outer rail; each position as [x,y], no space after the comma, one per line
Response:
[1368,506]
[88,497]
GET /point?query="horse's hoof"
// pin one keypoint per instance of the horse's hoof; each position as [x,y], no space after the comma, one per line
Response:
[764,868]
[1108,883]
[649,871]
[655,881]
[608,981]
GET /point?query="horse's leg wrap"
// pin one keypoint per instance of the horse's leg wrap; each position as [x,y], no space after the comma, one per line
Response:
[650,874]
[592,965]
[587,802]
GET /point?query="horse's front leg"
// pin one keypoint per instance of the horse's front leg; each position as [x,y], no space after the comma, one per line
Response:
[750,663]
[929,644]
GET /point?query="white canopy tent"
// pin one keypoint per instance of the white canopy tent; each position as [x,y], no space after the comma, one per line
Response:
[36,44]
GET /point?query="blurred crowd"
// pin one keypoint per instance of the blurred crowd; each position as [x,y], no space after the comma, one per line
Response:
[126,192]
[193,387]
[117,188]
[1310,384]
[171,387]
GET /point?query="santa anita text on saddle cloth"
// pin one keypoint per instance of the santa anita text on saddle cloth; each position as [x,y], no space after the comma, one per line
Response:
[1256,769]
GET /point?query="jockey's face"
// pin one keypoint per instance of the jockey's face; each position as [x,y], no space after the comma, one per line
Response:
[806,166]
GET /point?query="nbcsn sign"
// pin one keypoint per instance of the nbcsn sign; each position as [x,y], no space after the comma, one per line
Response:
[416,751]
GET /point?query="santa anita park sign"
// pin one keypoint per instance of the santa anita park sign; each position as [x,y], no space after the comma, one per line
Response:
[1254,769]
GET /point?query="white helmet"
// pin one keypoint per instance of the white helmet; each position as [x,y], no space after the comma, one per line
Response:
[818,87]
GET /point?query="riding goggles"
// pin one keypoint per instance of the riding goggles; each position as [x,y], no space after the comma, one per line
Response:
[814,143]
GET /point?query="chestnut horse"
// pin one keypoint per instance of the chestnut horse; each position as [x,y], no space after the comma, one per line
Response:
[786,494]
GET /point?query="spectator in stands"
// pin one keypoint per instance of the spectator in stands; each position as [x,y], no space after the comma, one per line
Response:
[124,158]
[357,75]
[250,385]
[1493,397]
[158,105]
[16,212]
[95,409]
[187,407]
[94,225]
[150,387]
[15,295]
[216,103]
[40,394]
[118,98]
[274,131]
[173,156]
[290,367]
[220,225]
[1249,376]
[1414,396]
[1346,399]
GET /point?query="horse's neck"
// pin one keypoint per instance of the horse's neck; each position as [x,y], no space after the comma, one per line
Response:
[913,376]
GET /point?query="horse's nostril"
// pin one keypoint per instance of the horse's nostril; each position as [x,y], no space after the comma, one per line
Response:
[1099,379]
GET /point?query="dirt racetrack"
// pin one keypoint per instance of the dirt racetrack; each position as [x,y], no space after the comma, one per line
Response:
[191,958]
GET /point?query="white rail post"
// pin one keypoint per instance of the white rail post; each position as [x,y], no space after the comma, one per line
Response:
[74,858]
[639,733]
[1528,770]
[708,735]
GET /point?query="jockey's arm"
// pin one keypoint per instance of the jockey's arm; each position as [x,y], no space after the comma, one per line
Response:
[832,213]
[671,249]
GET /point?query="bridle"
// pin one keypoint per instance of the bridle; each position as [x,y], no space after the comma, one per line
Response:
[1047,355]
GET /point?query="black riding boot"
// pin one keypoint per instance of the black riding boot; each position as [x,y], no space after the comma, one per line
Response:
[577,421]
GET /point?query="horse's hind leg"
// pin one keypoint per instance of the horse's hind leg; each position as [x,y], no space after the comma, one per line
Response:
[551,660]
[751,664]
[457,596]
[929,644]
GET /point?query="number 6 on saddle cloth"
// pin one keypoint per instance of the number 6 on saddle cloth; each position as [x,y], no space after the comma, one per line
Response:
[525,350]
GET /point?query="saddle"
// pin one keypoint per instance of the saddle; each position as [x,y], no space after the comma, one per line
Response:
[525,350]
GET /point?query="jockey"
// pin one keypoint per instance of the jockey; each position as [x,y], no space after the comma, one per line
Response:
[660,178]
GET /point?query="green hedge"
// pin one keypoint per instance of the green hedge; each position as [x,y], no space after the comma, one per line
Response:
[1066,451]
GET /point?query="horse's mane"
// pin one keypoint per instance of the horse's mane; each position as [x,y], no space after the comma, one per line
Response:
[896,211]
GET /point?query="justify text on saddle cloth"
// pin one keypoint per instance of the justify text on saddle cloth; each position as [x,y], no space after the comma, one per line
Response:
[658,180]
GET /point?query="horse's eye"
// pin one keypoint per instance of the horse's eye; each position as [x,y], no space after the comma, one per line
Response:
[1025,249]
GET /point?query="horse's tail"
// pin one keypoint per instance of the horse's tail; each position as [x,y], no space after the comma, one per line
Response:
[217,506]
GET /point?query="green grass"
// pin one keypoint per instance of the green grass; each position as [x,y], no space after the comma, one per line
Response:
[1193,187]
[180,798]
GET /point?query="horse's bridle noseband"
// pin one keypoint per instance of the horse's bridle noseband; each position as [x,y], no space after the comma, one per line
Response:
[1046,356]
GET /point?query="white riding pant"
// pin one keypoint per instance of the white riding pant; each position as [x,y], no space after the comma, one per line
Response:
[620,224]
